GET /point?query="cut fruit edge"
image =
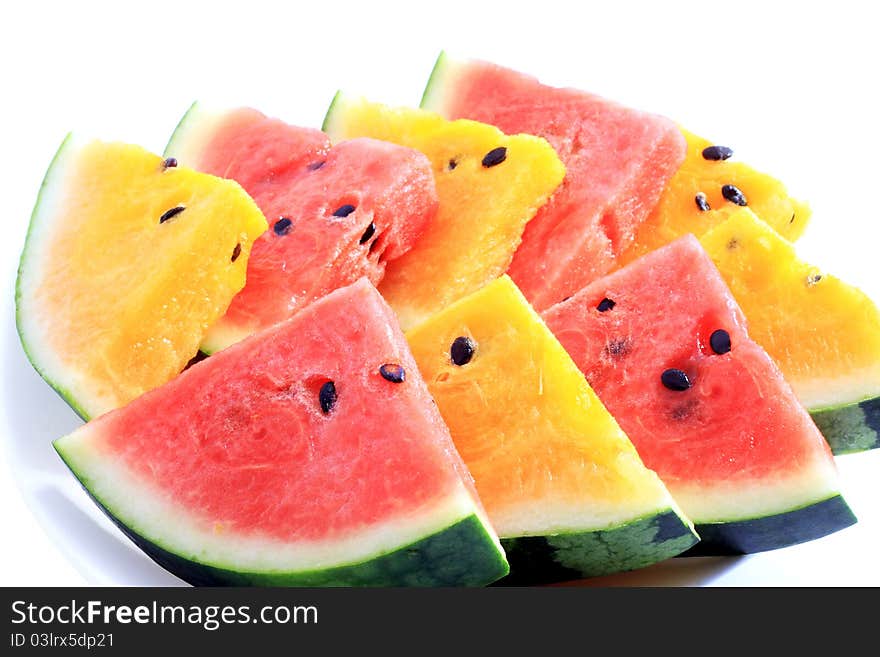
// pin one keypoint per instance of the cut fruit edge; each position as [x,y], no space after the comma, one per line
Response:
[30,330]
[193,132]
[147,513]
[444,71]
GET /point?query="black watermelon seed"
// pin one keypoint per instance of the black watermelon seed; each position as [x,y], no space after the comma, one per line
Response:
[565,299]
[791,221]
[327,396]
[393,373]
[343,210]
[494,157]
[314,166]
[702,203]
[812,279]
[282,226]
[716,153]
[368,233]
[675,380]
[173,212]
[236,252]
[720,341]
[605,304]
[462,350]
[169,163]
[732,194]
[452,164]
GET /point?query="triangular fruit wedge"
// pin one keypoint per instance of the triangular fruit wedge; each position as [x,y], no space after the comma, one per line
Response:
[489,185]
[618,161]
[664,345]
[309,454]
[562,484]
[128,259]
[823,333]
[710,186]
[335,214]
[634,181]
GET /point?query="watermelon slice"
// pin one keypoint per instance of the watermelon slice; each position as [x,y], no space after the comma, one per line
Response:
[694,200]
[562,484]
[128,258]
[489,185]
[617,161]
[310,454]
[336,214]
[826,342]
[664,345]
[610,209]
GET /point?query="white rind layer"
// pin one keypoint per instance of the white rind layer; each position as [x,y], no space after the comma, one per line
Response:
[153,514]
[744,500]
[197,127]
[31,321]
[542,517]
[444,75]
[825,394]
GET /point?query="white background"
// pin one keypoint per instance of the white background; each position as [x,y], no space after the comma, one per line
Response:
[792,87]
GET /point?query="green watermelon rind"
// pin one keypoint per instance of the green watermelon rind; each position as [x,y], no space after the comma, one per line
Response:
[332,109]
[181,129]
[778,530]
[432,96]
[850,428]
[55,170]
[568,556]
[463,553]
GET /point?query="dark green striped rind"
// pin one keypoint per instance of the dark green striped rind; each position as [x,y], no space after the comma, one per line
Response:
[563,557]
[851,428]
[462,554]
[771,532]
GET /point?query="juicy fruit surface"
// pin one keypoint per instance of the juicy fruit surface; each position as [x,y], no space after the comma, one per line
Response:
[736,443]
[243,447]
[545,454]
[617,161]
[677,213]
[482,209]
[113,300]
[827,340]
[344,212]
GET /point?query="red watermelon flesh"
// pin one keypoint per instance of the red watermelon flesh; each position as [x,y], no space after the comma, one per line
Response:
[617,160]
[734,446]
[244,451]
[335,214]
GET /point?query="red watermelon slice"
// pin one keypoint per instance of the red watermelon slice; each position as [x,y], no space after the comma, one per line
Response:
[309,454]
[335,214]
[617,160]
[665,346]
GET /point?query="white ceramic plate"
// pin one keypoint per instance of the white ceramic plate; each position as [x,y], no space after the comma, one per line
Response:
[791,93]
